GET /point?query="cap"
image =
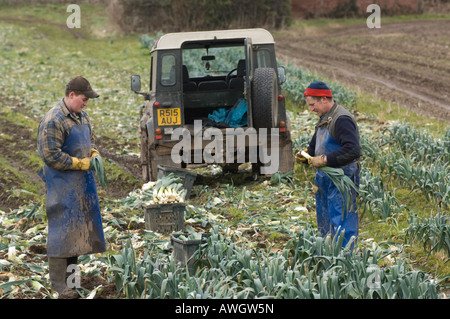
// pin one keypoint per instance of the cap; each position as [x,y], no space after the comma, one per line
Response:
[318,88]
[80,84]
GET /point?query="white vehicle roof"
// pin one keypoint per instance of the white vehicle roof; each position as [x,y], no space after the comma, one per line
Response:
[175,40]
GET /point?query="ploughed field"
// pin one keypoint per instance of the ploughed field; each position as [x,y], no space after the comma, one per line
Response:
[405,62]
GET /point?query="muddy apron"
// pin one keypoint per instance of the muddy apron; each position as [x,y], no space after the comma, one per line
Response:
[331,219]
[73,211]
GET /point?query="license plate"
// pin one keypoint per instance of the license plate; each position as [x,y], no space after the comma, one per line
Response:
[169,116]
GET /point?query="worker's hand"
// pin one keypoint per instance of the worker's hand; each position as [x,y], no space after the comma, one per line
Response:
[82,164]
[94,153]
[299,158]
[318,161]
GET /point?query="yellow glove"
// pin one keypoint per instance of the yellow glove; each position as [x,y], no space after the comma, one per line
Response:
[82,164]
[299,158]
[317,161]
[94,153]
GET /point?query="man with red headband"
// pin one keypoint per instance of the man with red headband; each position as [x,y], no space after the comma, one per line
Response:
[335,143]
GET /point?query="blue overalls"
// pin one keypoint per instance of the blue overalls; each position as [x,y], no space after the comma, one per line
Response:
[73,211]
[331,217]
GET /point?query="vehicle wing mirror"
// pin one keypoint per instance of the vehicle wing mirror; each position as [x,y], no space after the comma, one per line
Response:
[135,83]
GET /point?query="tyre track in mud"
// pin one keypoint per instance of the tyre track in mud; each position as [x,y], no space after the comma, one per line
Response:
[407,63]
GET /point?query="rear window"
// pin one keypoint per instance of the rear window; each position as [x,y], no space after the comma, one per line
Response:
[215,62]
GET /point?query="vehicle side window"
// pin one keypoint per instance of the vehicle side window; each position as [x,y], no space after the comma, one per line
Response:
[151,74]
[263,59]
[168,76]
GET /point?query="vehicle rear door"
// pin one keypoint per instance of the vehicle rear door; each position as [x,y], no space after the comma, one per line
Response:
[167,109]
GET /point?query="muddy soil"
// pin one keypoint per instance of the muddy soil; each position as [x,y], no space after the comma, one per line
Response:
[407,63]
[21,140]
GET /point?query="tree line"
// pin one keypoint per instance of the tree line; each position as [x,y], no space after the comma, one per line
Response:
[195,15]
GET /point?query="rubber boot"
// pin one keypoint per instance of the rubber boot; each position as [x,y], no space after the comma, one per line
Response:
[58,277]
[57,268]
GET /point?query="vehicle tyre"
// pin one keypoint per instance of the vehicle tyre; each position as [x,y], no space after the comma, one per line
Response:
[265,98]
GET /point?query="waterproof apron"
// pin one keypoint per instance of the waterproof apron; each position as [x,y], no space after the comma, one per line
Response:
[73,211]
[332,214]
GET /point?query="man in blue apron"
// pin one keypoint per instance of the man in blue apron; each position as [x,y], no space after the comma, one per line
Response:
[66,145]
[335,143]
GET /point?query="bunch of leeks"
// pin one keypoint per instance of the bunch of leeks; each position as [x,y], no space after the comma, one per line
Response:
[343,183]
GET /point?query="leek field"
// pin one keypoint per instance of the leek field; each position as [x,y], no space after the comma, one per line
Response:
[263,239]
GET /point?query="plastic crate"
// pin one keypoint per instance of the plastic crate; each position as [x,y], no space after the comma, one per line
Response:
[184,249]
[187,177]
[165,218]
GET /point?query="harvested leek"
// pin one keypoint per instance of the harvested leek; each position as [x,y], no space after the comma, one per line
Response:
[342,182]
[168,189]
[97,166]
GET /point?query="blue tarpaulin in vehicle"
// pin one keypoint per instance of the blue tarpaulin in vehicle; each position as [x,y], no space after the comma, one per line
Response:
[234,117]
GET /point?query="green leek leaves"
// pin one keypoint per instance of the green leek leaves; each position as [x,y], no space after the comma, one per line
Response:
[99,170]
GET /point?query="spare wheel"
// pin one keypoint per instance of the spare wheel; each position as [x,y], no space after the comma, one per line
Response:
[265,98]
